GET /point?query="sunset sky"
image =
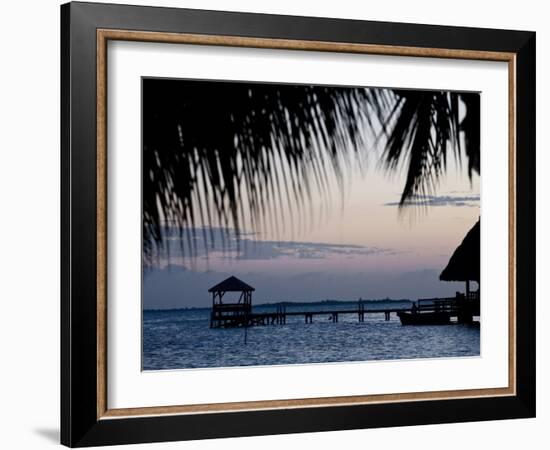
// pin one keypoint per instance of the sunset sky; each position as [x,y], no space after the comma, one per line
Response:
[359,246]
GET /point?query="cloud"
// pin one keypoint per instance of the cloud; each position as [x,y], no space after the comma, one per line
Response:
[258,249]
[440,200]
[229,245]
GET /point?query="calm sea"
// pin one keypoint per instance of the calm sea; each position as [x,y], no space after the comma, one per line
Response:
[181,339]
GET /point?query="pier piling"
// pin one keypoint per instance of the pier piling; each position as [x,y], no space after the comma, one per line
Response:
[234,318]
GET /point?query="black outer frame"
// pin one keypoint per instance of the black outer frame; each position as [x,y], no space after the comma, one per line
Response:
[79,424]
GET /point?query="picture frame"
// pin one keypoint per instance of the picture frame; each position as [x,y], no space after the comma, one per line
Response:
[86,418]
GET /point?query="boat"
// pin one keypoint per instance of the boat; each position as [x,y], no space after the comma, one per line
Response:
[424,318]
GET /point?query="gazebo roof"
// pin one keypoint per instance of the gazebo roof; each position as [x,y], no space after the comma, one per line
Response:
[464,263]
[231,284]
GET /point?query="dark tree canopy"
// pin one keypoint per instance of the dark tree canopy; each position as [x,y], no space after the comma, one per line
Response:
[210,147]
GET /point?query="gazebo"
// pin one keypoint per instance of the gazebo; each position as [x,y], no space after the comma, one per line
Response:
[230,313]
[464,265]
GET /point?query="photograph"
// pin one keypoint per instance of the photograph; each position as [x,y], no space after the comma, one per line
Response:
[271,225]
[304,224]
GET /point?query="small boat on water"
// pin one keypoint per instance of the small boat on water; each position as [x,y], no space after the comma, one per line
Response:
[425,318]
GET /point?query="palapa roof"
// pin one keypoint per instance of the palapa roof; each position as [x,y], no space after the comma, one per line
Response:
[464,263]
[231,284]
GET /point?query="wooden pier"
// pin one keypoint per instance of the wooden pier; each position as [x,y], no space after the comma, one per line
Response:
[436,311]
[440,311]
[280,316]
[432,311]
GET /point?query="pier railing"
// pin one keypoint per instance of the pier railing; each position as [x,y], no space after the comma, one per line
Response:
[448,304]
[451,305]
[232,315]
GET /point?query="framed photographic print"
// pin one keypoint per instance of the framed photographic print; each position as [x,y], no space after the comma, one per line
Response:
[273,224]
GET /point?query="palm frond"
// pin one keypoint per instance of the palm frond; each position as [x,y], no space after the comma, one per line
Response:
[232,154]
[215,150]
[421,129]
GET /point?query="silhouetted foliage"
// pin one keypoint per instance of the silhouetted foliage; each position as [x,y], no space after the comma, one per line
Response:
[210,148]
[422,127]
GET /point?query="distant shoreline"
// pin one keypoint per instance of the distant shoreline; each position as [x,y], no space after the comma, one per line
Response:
[293,303]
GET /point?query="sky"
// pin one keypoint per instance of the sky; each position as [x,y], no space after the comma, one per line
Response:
[361,246]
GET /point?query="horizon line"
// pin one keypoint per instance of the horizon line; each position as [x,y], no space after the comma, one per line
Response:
[288,303]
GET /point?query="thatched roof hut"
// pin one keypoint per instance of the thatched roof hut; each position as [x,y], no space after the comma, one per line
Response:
[231,284]
[464,263]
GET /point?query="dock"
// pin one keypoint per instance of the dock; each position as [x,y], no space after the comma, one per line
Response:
[427,311]
[234,316]
[440,311]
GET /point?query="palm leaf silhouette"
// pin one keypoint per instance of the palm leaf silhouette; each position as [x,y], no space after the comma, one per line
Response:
[422,128]
[214,152]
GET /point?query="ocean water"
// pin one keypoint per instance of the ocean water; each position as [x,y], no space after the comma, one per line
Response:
[182,339]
